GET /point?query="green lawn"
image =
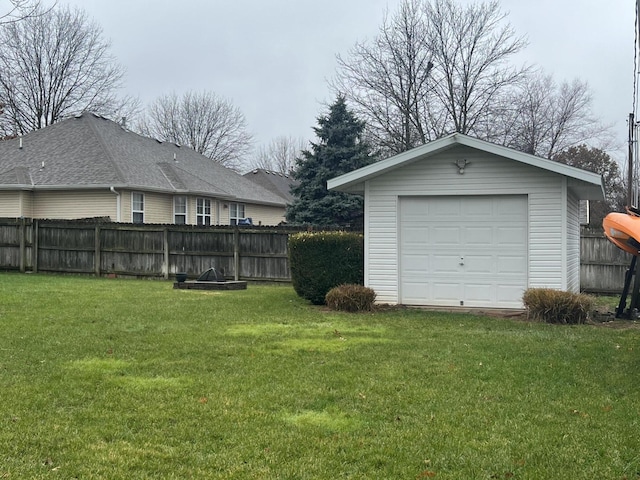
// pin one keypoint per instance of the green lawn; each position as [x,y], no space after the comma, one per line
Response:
[125,379]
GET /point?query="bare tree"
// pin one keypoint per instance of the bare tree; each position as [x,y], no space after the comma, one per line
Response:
[210,125]
[387,80]
[53,64]
[471,47]
[435,67]
[543,117]
[17,10]
[279,155]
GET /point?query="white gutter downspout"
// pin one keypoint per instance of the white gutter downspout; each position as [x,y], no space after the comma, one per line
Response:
[117,194]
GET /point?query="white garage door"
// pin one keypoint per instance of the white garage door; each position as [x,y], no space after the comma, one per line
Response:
[463,251]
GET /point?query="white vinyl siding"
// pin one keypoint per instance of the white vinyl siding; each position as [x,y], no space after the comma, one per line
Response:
[573,244]
[485,174]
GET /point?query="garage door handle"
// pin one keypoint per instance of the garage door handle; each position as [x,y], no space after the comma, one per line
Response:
[461,260]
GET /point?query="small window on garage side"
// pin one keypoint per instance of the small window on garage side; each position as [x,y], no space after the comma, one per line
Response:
[137,207]
[180,210]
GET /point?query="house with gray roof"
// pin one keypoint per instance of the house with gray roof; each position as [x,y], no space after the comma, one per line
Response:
[89,166]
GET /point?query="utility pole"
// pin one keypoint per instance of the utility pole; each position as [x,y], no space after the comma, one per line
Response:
[630,169]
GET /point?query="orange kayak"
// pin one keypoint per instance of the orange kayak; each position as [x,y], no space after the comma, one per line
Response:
[623,229]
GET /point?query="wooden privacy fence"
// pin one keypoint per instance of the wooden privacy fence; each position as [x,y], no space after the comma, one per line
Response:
[602,264]
[241,253]
[160,251]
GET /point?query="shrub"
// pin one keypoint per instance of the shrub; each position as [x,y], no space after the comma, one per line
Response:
[556,306]
[351,298]
[320,261]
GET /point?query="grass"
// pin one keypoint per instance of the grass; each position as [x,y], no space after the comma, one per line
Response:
[125,379]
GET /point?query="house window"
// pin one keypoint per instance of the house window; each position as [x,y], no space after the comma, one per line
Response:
[236,212]
[137,207]
[180,210]
[203,211]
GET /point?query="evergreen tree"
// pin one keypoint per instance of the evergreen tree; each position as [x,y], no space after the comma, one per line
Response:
[340,149]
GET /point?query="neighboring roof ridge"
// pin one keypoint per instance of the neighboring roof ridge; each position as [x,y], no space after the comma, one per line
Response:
[270,172]
[94,117]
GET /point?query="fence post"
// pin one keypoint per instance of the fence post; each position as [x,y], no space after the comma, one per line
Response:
[165,263]
[98,249]
[236,254]
[23,245]
[34,245]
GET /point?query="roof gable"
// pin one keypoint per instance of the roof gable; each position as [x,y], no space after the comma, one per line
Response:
[587,185]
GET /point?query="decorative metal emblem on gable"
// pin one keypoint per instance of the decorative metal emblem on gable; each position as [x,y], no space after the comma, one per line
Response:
[461,163]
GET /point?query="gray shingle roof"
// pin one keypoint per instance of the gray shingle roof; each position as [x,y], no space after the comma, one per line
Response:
[276,182]
[91,151]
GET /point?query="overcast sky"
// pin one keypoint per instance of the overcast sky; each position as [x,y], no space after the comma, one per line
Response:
[272,58]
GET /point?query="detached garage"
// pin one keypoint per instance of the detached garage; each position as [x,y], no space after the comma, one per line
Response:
[463,222]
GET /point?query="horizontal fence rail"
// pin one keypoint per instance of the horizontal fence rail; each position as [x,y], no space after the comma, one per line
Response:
[240,253]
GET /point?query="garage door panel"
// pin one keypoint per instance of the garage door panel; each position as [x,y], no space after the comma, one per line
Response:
[413,292]
[478,264]
[443,291]
[510,296]
[443,264]
[511,235]
[511,264]
[478,207]
[443,208]
[417,236]
[415,265]
[463,249]
[446,235]
[479,236]
[478,292]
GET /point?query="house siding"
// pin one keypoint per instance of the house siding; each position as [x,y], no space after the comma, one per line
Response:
[573,244]
[10,204]
[72,205]
[26,204]
[485,174]
[158,208]
[264,215]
